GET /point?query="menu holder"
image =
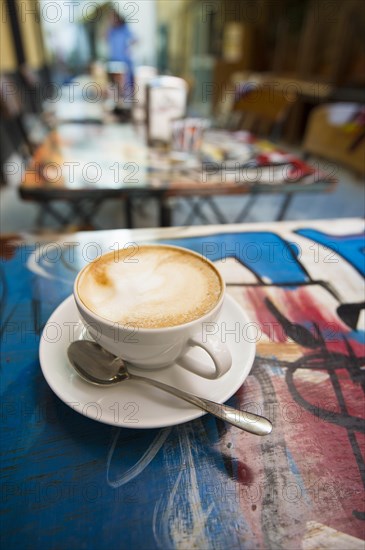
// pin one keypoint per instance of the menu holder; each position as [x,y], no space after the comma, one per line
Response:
[166,101]
[143,75]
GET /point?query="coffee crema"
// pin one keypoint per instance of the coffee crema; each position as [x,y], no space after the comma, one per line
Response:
[152,287]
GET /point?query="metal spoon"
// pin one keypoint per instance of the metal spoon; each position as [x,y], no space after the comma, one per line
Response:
[96,365]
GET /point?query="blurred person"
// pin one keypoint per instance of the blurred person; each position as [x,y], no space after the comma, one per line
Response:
[120,39]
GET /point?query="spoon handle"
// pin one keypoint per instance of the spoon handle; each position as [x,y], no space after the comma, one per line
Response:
[247,421]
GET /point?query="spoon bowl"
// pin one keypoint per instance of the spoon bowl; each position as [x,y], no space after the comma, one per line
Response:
[97,366]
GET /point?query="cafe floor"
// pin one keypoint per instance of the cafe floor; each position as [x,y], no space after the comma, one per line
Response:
[347,200]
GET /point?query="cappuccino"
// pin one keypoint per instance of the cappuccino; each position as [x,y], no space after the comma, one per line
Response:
[153,287]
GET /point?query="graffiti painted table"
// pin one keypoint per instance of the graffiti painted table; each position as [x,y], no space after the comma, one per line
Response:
[71,482]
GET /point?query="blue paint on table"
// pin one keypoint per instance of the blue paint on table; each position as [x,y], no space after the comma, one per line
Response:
[269,257]
[350,247]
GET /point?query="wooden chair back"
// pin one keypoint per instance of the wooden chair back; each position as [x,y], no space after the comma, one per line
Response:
[264,110]
[340,141]
[11,110]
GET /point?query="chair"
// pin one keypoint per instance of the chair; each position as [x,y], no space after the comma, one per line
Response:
[263,109]
[25,129]
[166,101]
[12,119]
[12,158]
[31,86]
[117,73]
[336,132]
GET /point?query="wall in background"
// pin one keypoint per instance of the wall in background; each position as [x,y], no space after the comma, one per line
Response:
[144,26]
[28,17]
[8,61]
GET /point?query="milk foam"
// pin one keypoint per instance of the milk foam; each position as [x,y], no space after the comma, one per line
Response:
[155,287]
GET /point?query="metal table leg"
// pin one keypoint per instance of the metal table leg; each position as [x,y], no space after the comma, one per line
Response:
[128,211]
[165,211]
[215,209]
[247,208]
[78,210]
[196,211]
[47,208]
[284,207]
[85,214]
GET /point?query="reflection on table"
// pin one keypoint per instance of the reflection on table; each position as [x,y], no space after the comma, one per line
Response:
[79,163]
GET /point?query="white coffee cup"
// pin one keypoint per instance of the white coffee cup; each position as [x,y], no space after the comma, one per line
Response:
[152,347]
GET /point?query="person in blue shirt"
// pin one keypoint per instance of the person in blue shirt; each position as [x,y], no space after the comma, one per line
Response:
[120,40]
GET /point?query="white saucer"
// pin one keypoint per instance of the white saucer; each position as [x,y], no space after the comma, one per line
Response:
[134,404]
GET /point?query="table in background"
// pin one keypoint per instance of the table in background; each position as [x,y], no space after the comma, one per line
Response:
[68,481]
[85,165]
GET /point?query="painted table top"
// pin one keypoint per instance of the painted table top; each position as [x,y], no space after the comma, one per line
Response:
[71,482]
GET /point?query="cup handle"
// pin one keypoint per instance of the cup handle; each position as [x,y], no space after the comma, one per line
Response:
[218,352]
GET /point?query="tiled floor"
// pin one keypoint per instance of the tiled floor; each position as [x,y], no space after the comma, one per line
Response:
[347,200]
